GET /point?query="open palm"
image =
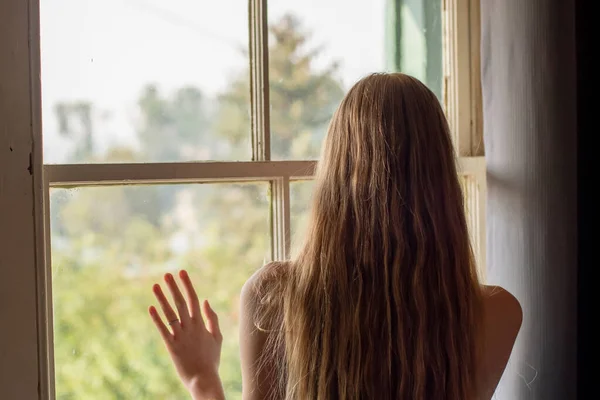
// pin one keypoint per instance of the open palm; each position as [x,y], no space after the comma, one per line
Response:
[193,343]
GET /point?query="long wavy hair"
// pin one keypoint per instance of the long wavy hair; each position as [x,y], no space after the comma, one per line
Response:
[382,300]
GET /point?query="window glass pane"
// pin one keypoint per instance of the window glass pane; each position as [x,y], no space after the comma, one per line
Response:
[110,244]
[300,203]
[315,57]
[144,80]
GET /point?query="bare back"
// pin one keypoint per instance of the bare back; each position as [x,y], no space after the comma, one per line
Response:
[502,317]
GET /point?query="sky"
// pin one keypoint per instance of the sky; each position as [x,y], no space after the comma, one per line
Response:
[106,51]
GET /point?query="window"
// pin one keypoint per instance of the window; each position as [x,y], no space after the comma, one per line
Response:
[247,89]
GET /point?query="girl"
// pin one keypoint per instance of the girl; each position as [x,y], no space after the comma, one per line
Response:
[383,300]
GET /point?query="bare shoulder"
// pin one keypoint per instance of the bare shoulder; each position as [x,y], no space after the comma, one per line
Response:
[502,319]
[502,306]
[261,286]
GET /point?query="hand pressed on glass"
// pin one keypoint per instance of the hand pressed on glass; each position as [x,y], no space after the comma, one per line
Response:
[193,343]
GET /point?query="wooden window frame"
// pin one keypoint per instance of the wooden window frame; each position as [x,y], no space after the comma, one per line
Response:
[463,103]
[27,364]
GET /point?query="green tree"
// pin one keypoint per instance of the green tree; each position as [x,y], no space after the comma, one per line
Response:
[303,98]
[174,129]
[75,122]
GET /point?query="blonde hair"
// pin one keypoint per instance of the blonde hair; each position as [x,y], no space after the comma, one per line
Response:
[382,300]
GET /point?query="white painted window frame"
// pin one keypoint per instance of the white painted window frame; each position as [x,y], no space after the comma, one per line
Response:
[26,365]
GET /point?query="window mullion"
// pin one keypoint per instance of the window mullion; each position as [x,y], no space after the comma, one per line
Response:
[457,80]
[261,134]
[280,221]
[476,98]
[165,173]
[259,80]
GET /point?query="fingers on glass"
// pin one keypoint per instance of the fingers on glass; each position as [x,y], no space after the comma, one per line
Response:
[212,321]
[193,302]
[160,325]
[170,315]
[187,310]
[180,303]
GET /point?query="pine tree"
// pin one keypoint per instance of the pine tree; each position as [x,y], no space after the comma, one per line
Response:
[302,97]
